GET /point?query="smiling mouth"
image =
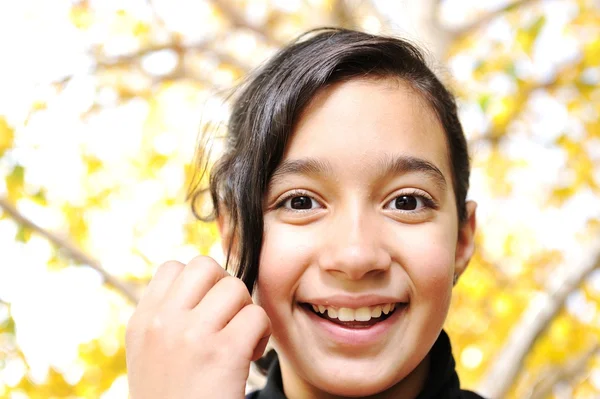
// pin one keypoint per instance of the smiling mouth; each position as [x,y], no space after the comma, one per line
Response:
[364,317]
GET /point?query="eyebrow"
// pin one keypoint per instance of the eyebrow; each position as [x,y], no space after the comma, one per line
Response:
[402,164]
[304,166]
[386,166]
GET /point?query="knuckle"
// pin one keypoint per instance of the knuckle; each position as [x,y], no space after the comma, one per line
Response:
[156,326]
[206,266]
[152,329]
[171,264]
[169,267]
[197,267]
[214,352]
[203,261]
[225,348]
[189,338]
[236,285]
[258,315]
[256,311]
[233,289]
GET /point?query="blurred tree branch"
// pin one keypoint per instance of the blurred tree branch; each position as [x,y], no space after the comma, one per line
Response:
[534,321]
[71,250]
[104,63]
[437,37]
[239,21]
[572,369]
[108,63]
[159,19]
[486,18]
[495,133]
[232,15]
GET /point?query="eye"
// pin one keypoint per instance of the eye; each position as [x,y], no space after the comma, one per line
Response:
[299,202]
[410,202]
[405,202]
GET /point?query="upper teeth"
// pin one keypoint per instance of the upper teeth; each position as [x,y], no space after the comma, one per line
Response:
[360,314]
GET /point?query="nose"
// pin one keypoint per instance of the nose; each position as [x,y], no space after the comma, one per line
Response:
[354,246]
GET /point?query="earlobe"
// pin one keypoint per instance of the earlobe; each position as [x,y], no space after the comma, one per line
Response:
[465,245]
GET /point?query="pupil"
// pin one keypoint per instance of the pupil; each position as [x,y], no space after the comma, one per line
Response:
[302,202]
[406,202]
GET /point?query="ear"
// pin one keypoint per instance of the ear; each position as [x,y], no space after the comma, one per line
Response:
[227,234]
[224,226]
[465,245]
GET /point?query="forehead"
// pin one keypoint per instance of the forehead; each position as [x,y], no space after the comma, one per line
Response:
[354,124]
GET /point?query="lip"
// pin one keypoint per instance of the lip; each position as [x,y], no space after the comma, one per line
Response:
[354,337]
[354,302]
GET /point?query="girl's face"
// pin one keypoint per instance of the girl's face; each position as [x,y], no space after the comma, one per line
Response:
[361,221]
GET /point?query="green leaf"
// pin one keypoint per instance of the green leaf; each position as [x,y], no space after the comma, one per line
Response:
[40,197]
[23,234]
[7,325]
[484,101]
[15,182]
[526,37]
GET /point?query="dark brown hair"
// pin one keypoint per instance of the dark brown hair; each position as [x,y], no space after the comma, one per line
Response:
[269,103]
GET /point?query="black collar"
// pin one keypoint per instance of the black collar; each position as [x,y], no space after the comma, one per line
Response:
[442,382]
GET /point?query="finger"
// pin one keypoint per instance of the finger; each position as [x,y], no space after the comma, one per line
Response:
[224,300]
[157,289]
[260,348]
[250,329]
[194,281]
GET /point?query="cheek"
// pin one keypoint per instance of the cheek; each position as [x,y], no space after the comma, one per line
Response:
[285,255]
[429,262]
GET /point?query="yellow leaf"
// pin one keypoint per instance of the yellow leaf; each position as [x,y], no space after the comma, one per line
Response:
[6,136]
[92,164]
[593,226]
[141,28]
[498,165]
[501,112]
[593,129]
[561,194]
[527,37]
[202,235]
[77,224]
[126,24]
[503,305]
[591,53]
[81,16]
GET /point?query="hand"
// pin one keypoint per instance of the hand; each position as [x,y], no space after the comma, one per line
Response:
[193,334]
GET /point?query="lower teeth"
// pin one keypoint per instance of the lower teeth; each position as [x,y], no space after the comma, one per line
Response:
[356,324]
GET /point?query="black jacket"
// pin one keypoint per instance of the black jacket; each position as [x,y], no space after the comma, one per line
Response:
[442,382]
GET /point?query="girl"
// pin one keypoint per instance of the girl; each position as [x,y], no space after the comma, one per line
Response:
[341,201]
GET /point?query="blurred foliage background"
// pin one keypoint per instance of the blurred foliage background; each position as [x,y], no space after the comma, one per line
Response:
[101,103]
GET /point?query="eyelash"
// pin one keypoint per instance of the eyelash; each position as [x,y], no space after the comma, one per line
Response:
[292,194]
[428,202]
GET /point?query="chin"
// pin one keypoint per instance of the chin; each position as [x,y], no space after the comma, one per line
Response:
[354,381]
[355,387]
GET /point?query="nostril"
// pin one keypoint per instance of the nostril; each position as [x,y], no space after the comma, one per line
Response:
[354,262]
